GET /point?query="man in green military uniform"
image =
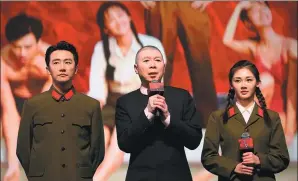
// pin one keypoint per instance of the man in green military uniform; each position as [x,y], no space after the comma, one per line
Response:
[61,132]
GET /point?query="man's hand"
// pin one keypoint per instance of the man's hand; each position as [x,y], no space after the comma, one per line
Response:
[148,4]
[158,101]
[242,169]
[201,5]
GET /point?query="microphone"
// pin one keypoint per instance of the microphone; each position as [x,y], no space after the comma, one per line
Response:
[156,87]
[246,145]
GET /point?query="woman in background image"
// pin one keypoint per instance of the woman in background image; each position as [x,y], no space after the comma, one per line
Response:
[112,73]
[275,56]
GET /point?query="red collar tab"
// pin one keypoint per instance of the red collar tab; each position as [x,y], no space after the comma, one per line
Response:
[232,111]
[57,96]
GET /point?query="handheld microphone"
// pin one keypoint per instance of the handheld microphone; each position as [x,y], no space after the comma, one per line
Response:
[246,145]
[156,87]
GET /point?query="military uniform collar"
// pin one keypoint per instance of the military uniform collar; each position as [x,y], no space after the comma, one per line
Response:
[61,97]
[233,110]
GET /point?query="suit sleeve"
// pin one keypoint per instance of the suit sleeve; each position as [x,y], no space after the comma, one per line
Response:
[25,136]
[211,160]
[130,133]
[97,138]
[277,159]
[186,130]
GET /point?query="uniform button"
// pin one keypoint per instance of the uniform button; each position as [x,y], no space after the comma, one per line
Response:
[62,115]
[63,165]
[62,131]
[62,149]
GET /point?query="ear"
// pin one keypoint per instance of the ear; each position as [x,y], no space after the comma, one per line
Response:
[76,71]
[48,70]
[258,84]
[136,68]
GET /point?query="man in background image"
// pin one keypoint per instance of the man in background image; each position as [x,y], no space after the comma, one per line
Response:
[189,22]
[23,74]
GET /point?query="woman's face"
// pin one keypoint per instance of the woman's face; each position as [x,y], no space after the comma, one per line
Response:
[259,15]
[117,22]
[244,83]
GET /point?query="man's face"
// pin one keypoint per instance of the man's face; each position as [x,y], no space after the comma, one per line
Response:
[25,48]
[150,65]
[62,66]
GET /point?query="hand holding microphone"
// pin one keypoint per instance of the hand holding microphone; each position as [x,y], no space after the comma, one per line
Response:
[157,103]
[249,159]
[247,150]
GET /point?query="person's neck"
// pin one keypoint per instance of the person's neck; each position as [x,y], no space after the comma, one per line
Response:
[124,42]
[246,103]
[63,87]
[145,84]
[267,36]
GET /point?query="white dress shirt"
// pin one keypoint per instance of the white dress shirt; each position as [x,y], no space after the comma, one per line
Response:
[150,115]
[124,75]
[246,112]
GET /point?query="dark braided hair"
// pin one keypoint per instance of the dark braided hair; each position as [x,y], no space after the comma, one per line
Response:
[250,66]
[101,23]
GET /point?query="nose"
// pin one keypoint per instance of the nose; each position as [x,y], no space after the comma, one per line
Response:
[23,52]
[62,67]
[243,84]
[152,64]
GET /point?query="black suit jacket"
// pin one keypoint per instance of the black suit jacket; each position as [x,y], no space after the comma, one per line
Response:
[157,153]
[60,140]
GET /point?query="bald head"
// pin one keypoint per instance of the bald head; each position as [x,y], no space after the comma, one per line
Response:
[148,47]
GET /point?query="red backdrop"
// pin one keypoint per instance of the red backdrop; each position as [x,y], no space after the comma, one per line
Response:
[76,22]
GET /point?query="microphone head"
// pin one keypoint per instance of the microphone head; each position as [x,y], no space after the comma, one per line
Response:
[246,142]
[156,87]
[245,135]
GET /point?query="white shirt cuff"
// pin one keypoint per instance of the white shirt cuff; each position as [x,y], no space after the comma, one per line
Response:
[166,122]
[148,114]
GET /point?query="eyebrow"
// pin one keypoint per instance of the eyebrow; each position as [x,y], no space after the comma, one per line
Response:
[151,57]
[57,59]
[245,77]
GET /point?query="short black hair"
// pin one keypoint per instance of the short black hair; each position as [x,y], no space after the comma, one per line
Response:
[147,47]
[21,25]
[62,45]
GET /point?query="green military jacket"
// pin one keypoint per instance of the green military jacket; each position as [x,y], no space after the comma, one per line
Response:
[269,144]
[60,137]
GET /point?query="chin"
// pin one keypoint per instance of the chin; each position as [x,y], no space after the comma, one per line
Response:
[246,98]
[62,81]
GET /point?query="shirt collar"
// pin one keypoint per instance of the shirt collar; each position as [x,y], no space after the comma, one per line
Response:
[144,90]
[243,109]
[61,97]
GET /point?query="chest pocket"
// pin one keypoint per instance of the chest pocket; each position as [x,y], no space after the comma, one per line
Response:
[41,128]
[82,128]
